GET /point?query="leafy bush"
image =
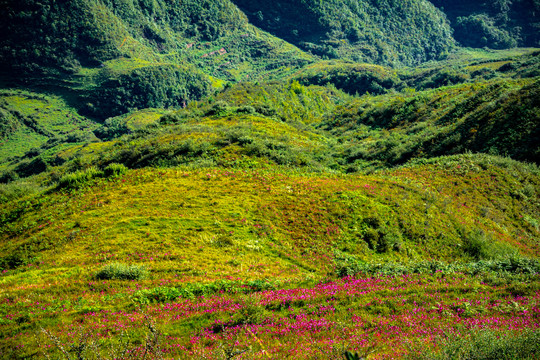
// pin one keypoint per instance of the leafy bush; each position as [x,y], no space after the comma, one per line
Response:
[120,271]
[79,179]
[190,291]
[487,344]
[115,169]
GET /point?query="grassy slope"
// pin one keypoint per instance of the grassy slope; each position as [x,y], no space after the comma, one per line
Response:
[34,118]
[230,222]
[270,224]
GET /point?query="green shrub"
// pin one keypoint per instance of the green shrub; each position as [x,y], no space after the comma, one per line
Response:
[192,290]
[220,108]
[160,294]
[115,169]
[479,245]
[122,272]
[79,179]
[487,345]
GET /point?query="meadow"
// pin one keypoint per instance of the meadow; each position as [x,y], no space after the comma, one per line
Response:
[212,179]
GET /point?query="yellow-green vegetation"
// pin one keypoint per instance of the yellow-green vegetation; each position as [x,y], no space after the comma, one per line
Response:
[200,226]
[176,182]
[29,120]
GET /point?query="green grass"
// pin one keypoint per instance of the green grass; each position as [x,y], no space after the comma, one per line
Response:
[117,271]
[38,117]
[226,192]
[487,345]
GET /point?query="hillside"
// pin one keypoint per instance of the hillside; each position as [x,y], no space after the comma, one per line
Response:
[224,179]
[365,31]
[494,24]
[243,230]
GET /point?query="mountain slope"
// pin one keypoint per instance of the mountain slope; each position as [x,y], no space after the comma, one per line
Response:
[494,24]
[342,181]
[215,234]
[108,56]
[387,32]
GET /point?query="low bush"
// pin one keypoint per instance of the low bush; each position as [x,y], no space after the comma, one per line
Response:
[486,345]
[190,291]
[115,169]
[80,178]
[348,265]
[117,271]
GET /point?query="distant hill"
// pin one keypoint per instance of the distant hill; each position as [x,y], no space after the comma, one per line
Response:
[385,32]
[495,24]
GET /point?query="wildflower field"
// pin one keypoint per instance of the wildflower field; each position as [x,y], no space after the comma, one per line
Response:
[272,263]
[299,179]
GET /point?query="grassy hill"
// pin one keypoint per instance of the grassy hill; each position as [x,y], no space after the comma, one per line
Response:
[243,180]
[219,232]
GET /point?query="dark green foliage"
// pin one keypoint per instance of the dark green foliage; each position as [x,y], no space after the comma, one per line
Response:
[51,35]
[353,79]
[494,24]
[152,86]
[486,345]
[206,19]
[63,35]
[357,31]
[486,33]
[31,167]
[117,271]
